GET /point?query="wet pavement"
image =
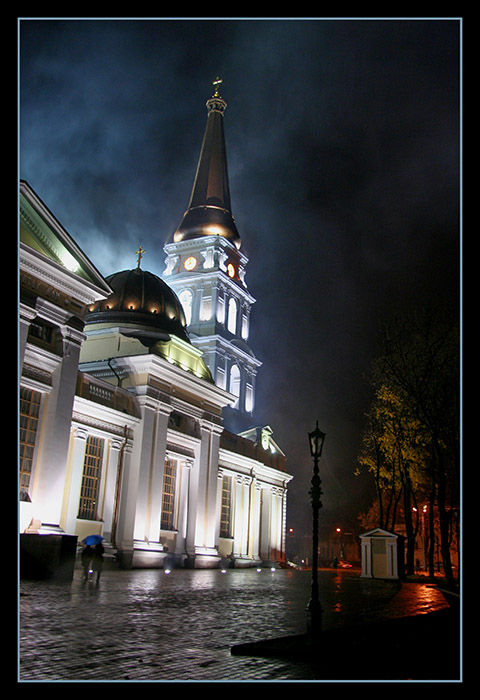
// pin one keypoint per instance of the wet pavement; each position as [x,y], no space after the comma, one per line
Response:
[146,625]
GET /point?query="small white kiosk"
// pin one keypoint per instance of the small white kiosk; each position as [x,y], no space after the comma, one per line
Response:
[382,554]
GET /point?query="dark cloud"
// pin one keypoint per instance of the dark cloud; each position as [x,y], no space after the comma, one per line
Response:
[343,150]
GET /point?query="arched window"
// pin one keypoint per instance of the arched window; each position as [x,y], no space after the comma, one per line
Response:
[232,316]
[234,384]
[186,300]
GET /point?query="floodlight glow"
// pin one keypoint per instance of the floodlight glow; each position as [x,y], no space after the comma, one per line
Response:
[214,229]
[69,261]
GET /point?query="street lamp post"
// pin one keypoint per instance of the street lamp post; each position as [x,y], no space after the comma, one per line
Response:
[317,439]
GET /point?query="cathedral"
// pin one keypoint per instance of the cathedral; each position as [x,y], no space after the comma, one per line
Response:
[137,393]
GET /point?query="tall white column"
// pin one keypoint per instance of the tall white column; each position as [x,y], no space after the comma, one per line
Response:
[110,487]
[157,471]
[246,514]
[142,457]
[284,522]
[254,538]
[238,517]
[191,515]
[203,493]
[266,523]
[124,520]
[242,516]
[277,542]
[184,470]
[212,488]
[218,509]
[49,482]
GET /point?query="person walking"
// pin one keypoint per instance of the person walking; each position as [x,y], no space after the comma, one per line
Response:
[87,554]
[97,560]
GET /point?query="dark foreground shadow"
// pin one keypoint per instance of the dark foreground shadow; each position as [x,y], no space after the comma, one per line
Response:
[423,647]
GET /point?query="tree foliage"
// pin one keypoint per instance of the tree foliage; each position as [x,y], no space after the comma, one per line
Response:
[411,444]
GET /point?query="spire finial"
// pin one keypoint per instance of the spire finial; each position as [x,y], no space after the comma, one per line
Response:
[216,83]
[140,252]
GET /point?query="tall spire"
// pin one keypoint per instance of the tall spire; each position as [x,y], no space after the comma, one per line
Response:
[209,209]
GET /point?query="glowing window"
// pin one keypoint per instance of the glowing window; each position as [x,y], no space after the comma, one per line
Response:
[249,398]
[234,386]
[244,327]
[168,496]
[29,416]
[220,381]
[186,300]
[232,316]
[206,309]
[220,310]
[226,511]
[92,472]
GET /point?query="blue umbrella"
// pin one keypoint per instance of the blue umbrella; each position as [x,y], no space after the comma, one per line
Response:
[92,539]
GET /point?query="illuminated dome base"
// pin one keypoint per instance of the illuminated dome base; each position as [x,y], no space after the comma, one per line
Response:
[208,221]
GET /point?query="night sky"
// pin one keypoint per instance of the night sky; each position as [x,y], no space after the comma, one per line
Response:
[343,141]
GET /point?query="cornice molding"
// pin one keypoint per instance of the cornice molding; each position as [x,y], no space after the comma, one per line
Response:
[54,274]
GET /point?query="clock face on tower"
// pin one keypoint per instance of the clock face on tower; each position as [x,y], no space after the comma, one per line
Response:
[190,263]
[230,270]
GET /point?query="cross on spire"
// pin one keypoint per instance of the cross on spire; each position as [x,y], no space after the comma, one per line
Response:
[140,252]
[216,83]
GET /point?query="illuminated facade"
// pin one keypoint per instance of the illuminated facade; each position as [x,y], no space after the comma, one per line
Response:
[121,406]
[56,283]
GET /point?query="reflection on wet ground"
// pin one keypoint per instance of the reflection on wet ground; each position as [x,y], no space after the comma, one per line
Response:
[348,599]
[182,625]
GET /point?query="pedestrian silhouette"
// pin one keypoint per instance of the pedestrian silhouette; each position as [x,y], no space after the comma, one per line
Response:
[97,560]
[87,554]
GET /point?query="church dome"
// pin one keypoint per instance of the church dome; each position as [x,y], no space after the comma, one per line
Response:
[140,299]
[207,220]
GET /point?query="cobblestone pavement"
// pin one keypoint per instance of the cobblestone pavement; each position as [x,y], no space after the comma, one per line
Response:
[146,625]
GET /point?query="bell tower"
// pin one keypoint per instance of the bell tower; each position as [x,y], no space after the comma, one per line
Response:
[206,269]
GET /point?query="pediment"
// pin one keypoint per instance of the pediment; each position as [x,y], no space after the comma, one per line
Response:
[40,231]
